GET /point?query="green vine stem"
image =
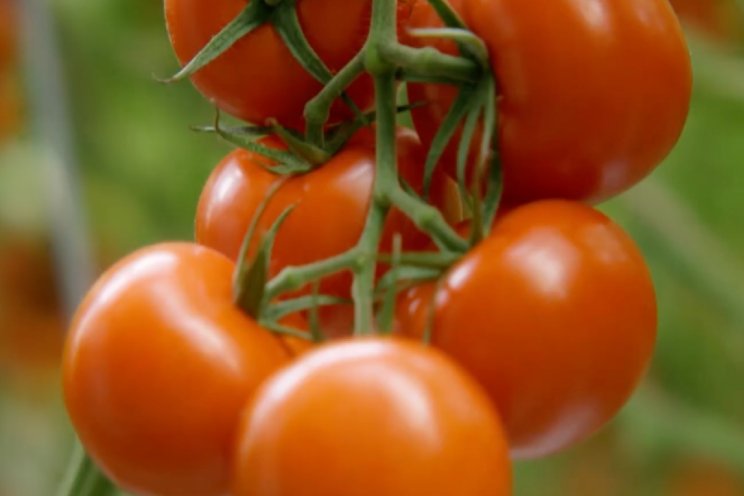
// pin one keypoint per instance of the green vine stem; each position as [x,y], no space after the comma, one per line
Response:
[83,478]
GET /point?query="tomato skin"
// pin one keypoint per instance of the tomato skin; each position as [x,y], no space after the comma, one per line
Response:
[371,417]
[589,105]
[555,314]
[157,366]
[331,205]
[258,78]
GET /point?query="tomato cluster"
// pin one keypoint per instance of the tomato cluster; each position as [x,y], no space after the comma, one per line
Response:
[201,368]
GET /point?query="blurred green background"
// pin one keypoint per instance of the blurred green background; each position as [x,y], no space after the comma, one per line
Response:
[141,171]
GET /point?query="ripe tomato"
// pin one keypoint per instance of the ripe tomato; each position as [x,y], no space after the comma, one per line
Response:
[331,205]
[593,95]
[157,366]
[554,313]
[258,78]
[371,417]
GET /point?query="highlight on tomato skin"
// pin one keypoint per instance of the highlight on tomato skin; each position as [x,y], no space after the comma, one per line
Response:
[157,366]
[587,108]
[371,417]
[554,314]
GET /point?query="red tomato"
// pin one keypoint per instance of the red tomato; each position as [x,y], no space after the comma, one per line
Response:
[258,78]
[593,94]
[157,367]
[369,418]
[8,34]
[554,313]
[331,206]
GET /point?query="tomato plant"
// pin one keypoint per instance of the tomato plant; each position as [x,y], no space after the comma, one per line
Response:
[548,308]
[554,313]
[371,417]
[157,366]
[330,205]
[588,105]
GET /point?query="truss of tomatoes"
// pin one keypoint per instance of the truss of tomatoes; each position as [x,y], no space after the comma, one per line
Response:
[538,334]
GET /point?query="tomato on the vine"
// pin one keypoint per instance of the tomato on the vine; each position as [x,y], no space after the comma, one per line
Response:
[330,205]
[369,418]
[554,313]
[592,95]
[258,78]
[157,367]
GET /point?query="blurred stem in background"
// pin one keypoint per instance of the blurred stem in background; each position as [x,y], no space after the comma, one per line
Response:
[52,129]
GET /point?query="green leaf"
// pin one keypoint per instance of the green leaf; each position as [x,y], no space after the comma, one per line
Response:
[250,290]
[251,17]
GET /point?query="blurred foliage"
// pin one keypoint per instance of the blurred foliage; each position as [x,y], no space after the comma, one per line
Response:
[142,170]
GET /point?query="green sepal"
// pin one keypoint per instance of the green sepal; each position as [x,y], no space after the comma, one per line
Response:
[298,146]
[463,149]
[283,308]
[288,26]
[251,17]
[489,150]
[287,163]
[248,132]
[465,100]
[284,330]
[251,287]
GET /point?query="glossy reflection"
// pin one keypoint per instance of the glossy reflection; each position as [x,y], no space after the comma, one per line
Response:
[594,93]
[371,418]
[554,313]
[157,367]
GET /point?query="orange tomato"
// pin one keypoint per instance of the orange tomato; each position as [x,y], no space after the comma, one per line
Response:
[157,367]
[258,78]
[331,205]
[592,95]
[369,418]
[554,313]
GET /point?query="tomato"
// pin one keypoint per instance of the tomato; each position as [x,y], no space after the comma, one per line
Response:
[554,313]
[593,94]
[157,367]
[8,34]
[371,417]
[331,205]
[258,78]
